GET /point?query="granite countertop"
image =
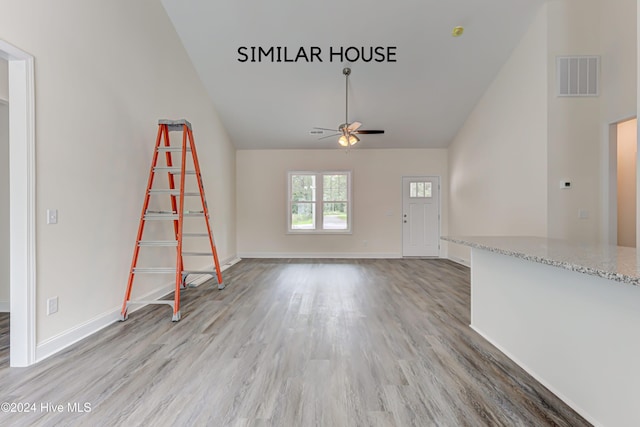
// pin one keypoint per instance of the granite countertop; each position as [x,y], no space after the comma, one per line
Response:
[606,261]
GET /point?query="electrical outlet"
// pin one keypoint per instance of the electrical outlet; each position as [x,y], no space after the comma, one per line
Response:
[52,216]
[52,305]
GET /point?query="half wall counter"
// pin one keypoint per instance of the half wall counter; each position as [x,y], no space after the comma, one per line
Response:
[568,313]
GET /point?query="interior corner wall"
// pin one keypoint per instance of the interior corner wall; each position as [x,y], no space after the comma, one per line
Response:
[4,80]
[105,73]
[498,160]
[579,126]
[4,205]
[377,200]
[4,186]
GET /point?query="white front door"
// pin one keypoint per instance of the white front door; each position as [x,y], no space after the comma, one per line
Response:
[421,216]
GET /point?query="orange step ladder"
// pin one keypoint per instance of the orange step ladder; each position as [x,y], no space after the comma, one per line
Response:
[176,215]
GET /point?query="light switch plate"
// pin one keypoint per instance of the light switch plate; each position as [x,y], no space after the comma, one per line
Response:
[52,305]
[52,216]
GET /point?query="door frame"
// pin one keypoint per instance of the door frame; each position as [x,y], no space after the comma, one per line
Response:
[438,178]
[22,203]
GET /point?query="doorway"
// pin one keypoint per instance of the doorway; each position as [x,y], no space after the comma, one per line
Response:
[623,183]
[421,216]
[22,202]
[627,152]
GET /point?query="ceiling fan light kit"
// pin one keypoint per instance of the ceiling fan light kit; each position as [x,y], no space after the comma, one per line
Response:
[347,142]
[346,130]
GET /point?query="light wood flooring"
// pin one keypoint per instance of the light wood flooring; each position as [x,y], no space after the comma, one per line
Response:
[294,343]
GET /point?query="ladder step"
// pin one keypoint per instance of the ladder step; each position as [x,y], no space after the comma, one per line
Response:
[173,125]
[211,272]
[158,243]
[156,270]
[172,149]
[197,253]
[167,270]
[173,170]
[151,301]
[175,192]
[160,215]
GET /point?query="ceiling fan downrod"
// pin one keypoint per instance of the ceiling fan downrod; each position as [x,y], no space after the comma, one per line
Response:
[346,71]
[347,131]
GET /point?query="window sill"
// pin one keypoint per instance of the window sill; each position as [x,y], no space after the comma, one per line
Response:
[323,232]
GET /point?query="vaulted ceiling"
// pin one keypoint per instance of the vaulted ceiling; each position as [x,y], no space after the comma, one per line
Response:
[420,86]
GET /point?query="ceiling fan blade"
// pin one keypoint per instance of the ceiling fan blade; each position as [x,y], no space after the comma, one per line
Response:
[329,136]
[354,126]
[368,132]
[332,130]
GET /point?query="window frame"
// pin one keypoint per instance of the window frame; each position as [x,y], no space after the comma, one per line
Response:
[319,202]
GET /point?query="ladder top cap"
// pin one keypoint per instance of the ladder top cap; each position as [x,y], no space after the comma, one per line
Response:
[175,124]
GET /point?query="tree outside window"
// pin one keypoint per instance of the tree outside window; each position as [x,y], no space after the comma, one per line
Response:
[319,201]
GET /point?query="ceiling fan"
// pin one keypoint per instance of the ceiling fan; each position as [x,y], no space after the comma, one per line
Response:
[347,131]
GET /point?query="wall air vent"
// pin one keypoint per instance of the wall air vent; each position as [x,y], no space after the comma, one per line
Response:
[578,75]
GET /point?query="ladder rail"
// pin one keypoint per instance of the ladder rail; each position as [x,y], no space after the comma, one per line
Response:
[145,206]
[170,176]
[176,307]
[172,186]
[205,208]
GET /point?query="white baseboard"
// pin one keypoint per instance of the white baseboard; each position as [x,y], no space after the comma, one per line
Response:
[349,255]
[5,306]
[460,261]
[540,379]
[71,336]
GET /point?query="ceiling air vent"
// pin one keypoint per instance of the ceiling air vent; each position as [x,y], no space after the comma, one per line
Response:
[578,75]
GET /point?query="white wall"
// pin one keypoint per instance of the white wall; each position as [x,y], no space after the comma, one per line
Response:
[4,205]
[574,125]
[377,180]
[4,80]
[4,186]
[105,73]
[498,160]
[573,134]
[579,127]
[619,52]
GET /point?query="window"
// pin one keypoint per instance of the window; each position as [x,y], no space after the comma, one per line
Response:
[419,190]
[319,202]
